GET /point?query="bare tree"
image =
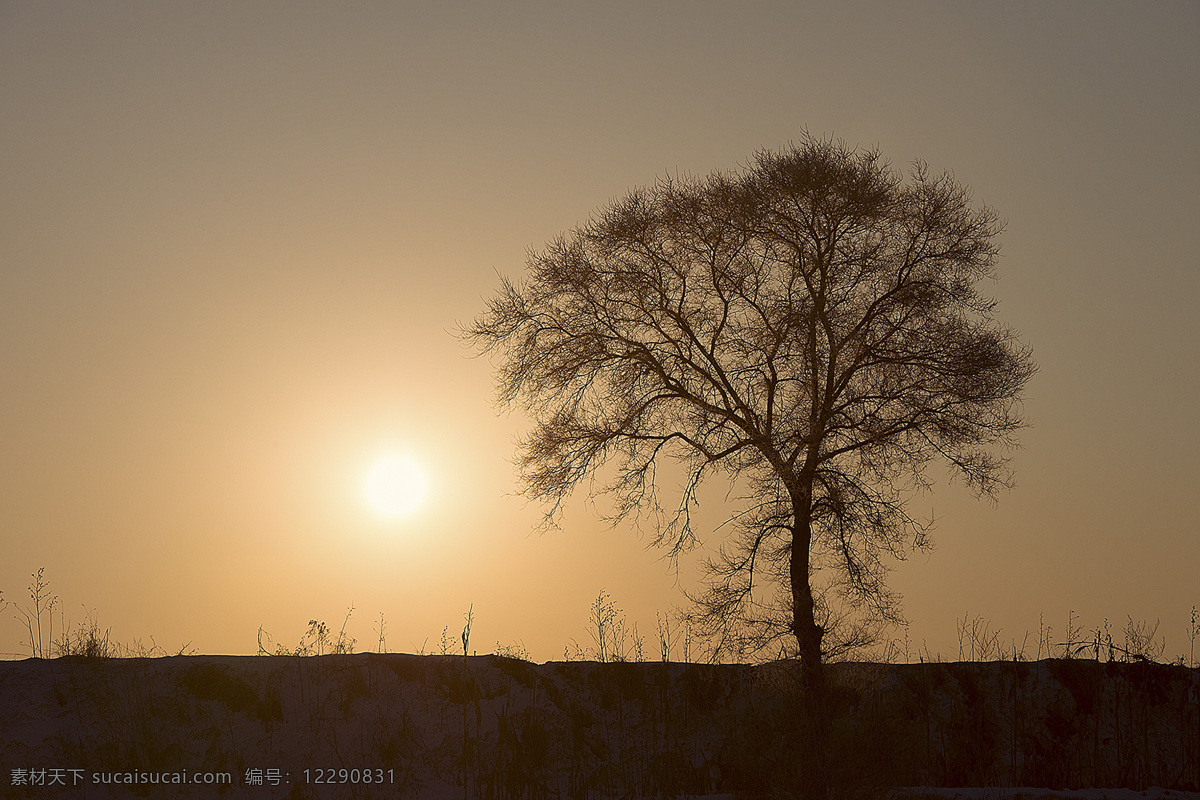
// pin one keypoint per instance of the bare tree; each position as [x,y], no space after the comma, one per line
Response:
[811,327]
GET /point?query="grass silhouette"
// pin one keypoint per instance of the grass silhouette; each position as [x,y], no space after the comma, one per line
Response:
[613,639]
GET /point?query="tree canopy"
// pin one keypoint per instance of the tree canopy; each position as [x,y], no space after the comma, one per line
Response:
[813,326]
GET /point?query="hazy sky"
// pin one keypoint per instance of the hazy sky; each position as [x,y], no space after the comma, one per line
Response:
[236,238]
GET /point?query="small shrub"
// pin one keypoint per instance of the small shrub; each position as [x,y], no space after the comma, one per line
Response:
[1140,642]
[86,641]
[977,641]
[1193,632]
[43,603]
[381,629]
[316,641]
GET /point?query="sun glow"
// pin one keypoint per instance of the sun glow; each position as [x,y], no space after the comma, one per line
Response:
[396,486]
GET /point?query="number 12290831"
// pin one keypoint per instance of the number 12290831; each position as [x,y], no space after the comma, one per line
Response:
[356,775]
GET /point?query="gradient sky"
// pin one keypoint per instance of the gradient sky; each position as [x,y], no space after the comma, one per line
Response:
[236,239]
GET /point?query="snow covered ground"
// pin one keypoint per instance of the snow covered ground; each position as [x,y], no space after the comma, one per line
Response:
[1026,793]
[394,725]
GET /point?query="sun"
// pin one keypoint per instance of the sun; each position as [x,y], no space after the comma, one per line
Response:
[396,486]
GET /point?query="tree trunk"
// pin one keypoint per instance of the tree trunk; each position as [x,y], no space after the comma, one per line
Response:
[814,757]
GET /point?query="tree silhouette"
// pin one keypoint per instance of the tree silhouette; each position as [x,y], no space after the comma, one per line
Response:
[811,327]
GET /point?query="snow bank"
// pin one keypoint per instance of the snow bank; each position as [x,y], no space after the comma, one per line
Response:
[394,725]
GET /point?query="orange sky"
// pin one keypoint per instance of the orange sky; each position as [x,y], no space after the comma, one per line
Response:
[235,239]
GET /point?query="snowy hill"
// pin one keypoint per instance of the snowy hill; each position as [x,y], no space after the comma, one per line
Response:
[392,725]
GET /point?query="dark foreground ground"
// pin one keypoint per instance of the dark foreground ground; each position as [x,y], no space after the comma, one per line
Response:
[392,725]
